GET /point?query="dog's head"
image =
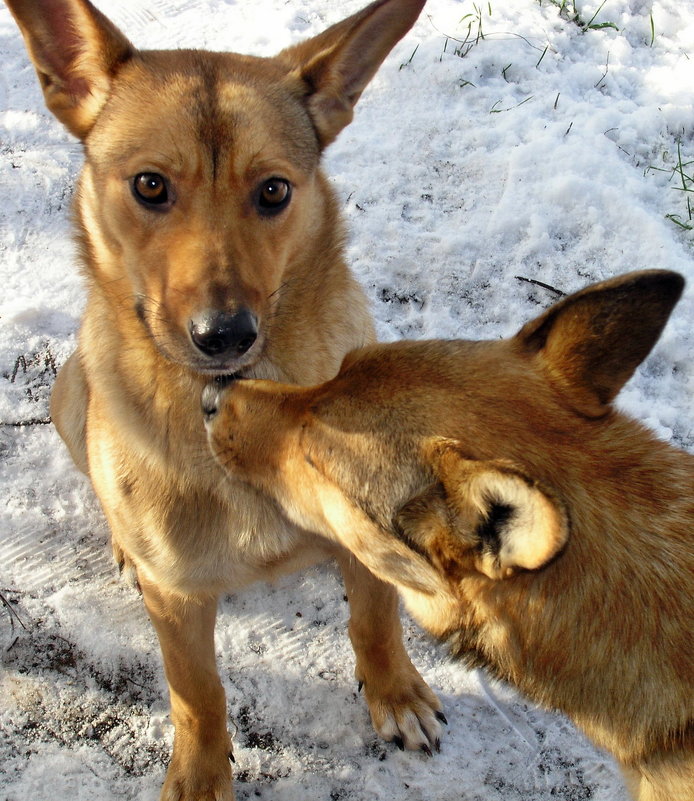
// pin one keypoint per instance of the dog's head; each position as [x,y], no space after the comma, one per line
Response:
[201,193]
[433,461]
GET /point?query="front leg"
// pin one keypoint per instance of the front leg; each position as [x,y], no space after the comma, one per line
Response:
[403,708]
[199,768]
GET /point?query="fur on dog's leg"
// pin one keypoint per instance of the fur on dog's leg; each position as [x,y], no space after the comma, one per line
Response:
[69,409]
[69,400]
[403,709]
[199,766]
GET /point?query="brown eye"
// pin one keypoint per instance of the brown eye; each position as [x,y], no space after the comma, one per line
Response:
[150,189]
[273,196]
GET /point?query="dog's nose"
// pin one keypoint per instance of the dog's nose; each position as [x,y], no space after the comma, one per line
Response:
[216,333]
[210,401]
[211,397]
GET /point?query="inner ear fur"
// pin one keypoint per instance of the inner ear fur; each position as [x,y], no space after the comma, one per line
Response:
[75,50]
[483,515]
[591,342]
[337,64]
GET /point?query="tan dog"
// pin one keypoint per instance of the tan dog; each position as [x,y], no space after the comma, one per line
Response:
[546,535]
[211,245]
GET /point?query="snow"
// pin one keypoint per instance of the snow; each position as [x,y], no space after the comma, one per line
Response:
[537,153]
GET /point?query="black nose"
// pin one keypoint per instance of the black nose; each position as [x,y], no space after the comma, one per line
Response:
[210,401]
[216,333]
[211,394]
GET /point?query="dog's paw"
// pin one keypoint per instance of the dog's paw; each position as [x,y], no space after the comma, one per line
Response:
[181,789]
[185,790]
[198,779]
[403,709]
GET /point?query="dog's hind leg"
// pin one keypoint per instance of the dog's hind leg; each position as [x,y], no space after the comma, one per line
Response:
[403,708]
[69,400]
[199,769]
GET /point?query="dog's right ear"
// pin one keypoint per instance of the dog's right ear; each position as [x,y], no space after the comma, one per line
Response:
[337,64]
[75,50]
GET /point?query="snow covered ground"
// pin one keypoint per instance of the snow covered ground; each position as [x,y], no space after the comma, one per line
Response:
[480,179]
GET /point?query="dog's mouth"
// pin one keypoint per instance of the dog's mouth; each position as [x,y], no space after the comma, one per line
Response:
[217,369]
[223,369]
[221,382]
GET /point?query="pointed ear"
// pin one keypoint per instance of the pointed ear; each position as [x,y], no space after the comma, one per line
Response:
[337,64]
[75,50]
[591,342]
[483,516]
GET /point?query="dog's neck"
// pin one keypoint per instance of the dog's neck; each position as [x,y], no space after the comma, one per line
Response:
[630,498]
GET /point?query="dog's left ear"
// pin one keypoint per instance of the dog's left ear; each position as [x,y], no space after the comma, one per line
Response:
[590,343]
[483,515]
[337,64]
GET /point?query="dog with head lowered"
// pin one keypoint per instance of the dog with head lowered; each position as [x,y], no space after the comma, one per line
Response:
[547,536]
[211,245]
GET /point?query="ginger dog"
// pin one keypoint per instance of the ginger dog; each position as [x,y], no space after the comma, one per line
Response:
[548,537]
[211,245]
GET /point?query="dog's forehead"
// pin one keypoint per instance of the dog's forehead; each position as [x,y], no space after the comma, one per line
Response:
[228,103]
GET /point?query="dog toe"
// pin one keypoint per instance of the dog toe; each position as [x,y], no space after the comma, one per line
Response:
[412,729]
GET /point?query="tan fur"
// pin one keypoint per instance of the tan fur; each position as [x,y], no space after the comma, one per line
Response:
[215,128]
[546,535]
